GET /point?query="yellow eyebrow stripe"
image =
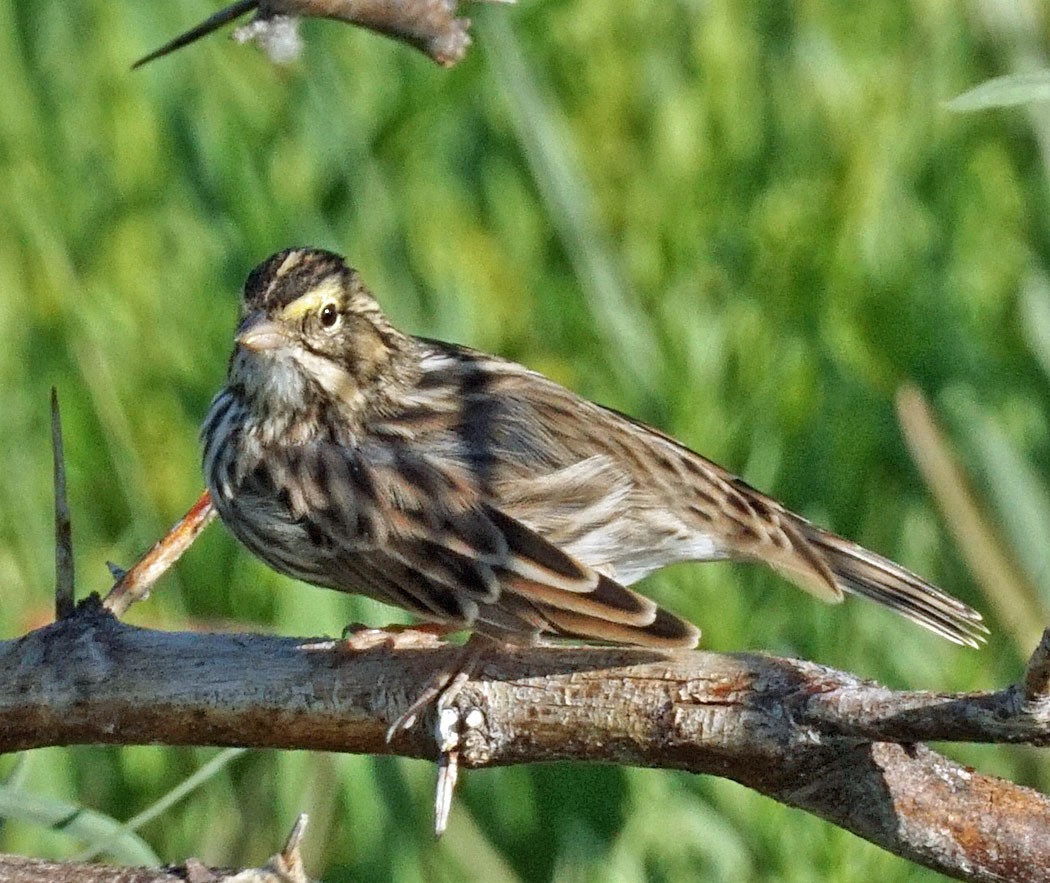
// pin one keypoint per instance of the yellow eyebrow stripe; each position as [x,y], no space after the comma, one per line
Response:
[326,292]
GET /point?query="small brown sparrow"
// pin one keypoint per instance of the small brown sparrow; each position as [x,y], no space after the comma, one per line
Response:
[479,494]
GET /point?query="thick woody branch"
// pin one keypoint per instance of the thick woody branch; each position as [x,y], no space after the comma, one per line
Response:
[16,869]
[28,870]
[803,734]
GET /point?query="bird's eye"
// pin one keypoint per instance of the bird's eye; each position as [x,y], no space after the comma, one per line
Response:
[329,315]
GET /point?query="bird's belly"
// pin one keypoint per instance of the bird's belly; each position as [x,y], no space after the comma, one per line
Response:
[633,567]
[298,540]
[628,553]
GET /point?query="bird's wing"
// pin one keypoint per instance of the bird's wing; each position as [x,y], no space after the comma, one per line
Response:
[756,526]
[433,543]
[648,500]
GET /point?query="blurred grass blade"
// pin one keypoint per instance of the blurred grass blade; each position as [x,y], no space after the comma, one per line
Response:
[1016,490]
[19,772]
[208,771]
[1035,311]
[548,148]
[84,824]
[475,852]
[1020,497]
[686,833]
[994,567]
[1009,91]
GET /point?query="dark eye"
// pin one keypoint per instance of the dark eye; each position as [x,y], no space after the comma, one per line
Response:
[329,315]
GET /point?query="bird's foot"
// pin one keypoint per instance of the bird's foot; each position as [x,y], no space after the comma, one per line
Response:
[424,636]
[443,685]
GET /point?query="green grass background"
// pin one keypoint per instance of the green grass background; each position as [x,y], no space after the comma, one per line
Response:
[747,223]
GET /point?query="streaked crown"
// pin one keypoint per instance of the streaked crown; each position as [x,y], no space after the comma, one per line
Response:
[284,277]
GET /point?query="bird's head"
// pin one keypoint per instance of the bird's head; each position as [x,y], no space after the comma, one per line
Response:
[312,336]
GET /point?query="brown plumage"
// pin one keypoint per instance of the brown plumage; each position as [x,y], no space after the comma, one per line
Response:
[474,492]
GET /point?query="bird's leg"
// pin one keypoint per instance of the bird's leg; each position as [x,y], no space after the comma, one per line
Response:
[445,684]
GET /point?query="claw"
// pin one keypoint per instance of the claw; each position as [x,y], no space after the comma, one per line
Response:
[443,686]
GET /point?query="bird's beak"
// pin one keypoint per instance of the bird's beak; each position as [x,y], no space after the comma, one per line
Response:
[259,334]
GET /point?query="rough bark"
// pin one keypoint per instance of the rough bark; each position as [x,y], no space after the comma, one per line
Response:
[806,735]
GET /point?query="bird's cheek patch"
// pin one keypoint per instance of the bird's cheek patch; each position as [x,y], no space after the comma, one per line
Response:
[332,377]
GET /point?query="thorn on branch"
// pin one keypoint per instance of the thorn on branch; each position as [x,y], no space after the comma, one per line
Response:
[213,22]
[1036,682]
[284,867]
[65,602]
[430,26]
[288,863]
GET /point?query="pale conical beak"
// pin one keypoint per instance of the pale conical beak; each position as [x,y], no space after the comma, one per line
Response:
[258,334]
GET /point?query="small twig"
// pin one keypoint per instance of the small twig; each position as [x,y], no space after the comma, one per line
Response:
[134,584]
[1036,683]
[430,26]
[456,730]
[65,603]
[287,865]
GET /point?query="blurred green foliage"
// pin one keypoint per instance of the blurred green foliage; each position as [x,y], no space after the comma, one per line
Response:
[747,223]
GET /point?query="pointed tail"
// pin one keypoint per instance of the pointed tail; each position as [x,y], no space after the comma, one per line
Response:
[861,572]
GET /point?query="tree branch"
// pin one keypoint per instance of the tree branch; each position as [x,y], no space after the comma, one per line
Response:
[135,583]
[806,735]
[31,870]
[430,26]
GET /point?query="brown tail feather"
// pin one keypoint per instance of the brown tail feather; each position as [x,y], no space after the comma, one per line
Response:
[864,573]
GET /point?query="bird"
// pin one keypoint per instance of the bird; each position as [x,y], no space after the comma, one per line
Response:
[480,495]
